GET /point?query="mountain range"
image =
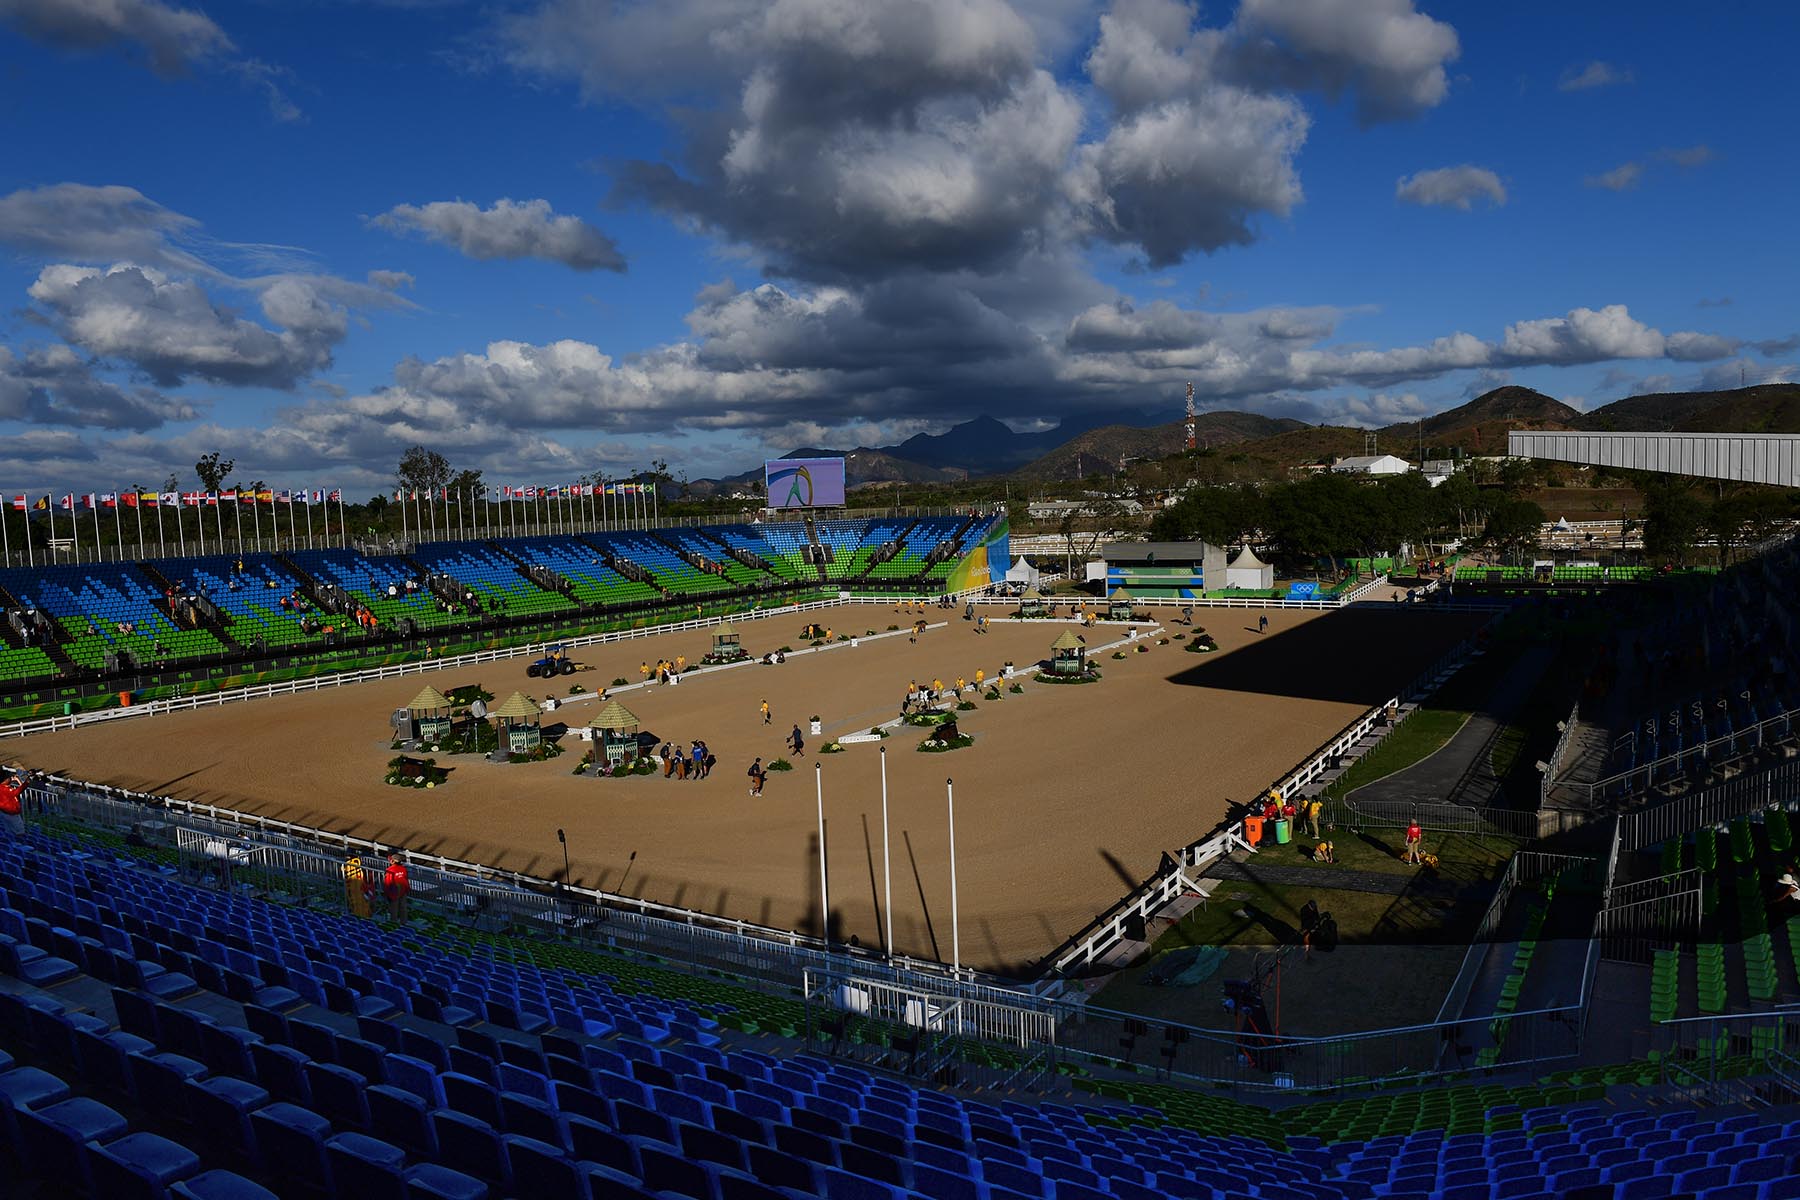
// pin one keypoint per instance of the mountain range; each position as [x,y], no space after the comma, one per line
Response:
[1097,443]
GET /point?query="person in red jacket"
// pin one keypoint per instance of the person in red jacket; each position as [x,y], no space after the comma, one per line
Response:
[12,809]
[396,885]
[1414,835]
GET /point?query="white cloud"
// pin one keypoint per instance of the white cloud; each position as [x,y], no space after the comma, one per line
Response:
[510,229]
[51,385]
[1385,51]
[1699,347]
[174,39]
[74,222]
[1621,178]
[1687,156]
[1451,187]
[1595,74]
[1585,335]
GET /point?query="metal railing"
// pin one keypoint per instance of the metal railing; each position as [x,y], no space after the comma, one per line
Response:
[1714,805]
[1737,742]
[1564,737]
[1736,1058]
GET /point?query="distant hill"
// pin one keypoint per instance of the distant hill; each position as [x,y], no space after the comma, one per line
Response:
[1764,408]
[1519,406]
[1101,450]
[986,446]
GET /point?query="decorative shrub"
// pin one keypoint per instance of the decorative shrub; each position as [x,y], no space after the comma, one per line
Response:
[1202,644]
[928,718]
[1118,654]
[781,764]
[416,773]
[893,628]
[1091,675]
[1143,648]
[935,745]
[476,737]
[878,731]
[831,748]
[966,706]
[469,693]
[1016,688]
[575,689]
[993,693]
[621,681]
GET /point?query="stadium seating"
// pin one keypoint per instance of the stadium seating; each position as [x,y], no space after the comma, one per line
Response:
[94,600]
[368,579]
[581,565]
[736,573]
[664,563]
[492,576]
[164,1040]
[254,605]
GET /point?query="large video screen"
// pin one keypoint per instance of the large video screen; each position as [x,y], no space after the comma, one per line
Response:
[805,482]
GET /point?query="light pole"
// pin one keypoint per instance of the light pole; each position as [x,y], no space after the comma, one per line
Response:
[887,871]
[563,838]
[824,886]
[955,929]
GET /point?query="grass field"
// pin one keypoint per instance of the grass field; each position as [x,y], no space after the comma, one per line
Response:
[1421,735]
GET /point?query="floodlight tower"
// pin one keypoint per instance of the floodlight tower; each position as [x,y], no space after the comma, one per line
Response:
[1190,418]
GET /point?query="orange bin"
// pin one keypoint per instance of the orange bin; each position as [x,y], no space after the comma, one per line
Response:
[1253,830]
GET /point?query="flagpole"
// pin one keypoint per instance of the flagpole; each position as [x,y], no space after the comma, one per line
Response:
[218,519]
[180,526]
[6,534]
[95,502]
[955,928]
[119,524]
[256,516]
[887,872]
[824,884]
[237,517]
[138,508]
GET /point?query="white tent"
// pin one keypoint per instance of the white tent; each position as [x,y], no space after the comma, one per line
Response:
[1022,572]
[1248,571]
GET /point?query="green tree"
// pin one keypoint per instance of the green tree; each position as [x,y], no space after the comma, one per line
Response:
[1514,526]
[1673,520]
[212,470]
[421,469]
[1222,516]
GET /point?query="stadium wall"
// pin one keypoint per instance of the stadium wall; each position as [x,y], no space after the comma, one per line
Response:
[985,564]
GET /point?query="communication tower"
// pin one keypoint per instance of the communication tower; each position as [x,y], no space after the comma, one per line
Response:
[1190,418]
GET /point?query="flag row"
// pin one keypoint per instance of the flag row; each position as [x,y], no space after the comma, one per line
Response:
[71,501]
[551,491]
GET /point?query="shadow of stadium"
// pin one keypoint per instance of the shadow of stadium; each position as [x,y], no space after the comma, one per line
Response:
[1359,656]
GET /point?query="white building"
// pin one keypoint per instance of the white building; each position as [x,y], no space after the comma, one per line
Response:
[1372,464]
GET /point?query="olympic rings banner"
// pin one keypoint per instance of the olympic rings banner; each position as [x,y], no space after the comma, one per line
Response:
[805,482]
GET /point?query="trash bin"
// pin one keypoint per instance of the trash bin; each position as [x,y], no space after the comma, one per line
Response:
[125,699]
[1283,831]
[1253,830]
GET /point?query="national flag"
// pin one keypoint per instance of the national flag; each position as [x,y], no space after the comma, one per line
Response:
[170,499]
[109,499]
[19,503]
[212,499]
[191,499]
[266,496]
[41,504]
[67,503]
[284,496]
[87,501]
[246,496]
[129,499]
[228,497]
[337,495]
[149,499]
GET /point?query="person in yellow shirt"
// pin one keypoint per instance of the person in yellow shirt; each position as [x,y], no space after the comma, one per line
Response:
[961,685]
[828,633]
[353,886]
[680,663]
[644,670]
[765,712]
[980,676]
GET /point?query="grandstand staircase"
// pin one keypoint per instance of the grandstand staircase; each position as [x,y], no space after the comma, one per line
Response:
[201,614]
[697,561]
[754,561]
[891,547]
[819,553]
[635,572]
[326,597]
[537,573]
[949,546]
[51,634]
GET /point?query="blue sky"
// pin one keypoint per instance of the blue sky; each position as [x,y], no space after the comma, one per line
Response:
[732,228]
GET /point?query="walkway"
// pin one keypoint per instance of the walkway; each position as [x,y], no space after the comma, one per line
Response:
[1462,771]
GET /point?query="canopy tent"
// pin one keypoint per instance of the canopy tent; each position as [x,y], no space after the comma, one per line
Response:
[1068,654]
[516,707]
[1248,571]
[1023,572]
[615,718]
[517,718]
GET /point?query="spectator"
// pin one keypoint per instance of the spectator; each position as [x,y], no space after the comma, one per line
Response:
[397,886]
[12,807]
[357,886]
[757,775]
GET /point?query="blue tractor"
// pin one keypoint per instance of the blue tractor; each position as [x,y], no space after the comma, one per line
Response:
[555,661]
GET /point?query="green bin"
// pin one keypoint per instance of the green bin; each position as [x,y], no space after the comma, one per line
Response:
[1283,831]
